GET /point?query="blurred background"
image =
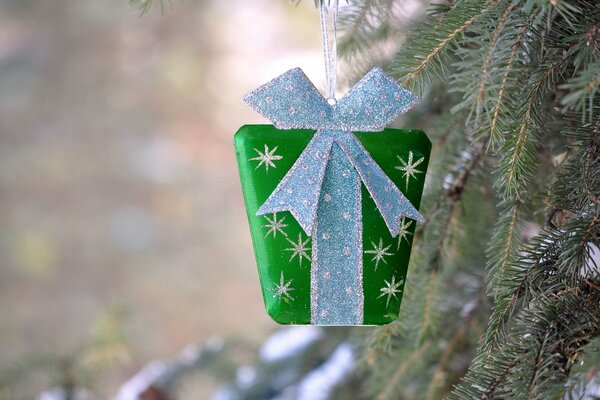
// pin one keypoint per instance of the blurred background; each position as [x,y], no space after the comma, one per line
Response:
[124,237]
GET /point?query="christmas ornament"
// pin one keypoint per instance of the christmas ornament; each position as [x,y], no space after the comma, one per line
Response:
[331,205]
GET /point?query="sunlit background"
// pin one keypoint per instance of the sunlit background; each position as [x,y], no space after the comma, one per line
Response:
[124,237]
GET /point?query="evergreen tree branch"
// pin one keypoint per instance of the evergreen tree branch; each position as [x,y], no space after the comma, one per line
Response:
[401,369]
[503,244]
[144,6]
[582,90]
[490,53]
[494,130]
[422,56]
[428,314]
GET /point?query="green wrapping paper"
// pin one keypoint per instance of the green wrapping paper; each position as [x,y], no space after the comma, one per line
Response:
[283,249]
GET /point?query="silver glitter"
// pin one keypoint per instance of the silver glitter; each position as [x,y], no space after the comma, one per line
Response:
[404,232]
[390,290]
[359,253]
[314,279]
[360,110]
[375,180]
[283,289]
[315,157]
[341,256]
[409,168]
[266,158]
[299,249]
[275,226]
[379,252]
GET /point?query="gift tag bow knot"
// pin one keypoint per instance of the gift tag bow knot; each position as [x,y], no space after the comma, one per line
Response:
[291,101]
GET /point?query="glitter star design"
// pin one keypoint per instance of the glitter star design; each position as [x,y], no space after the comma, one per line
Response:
[404,232]
[275,226]
[409,168]
[379,252]
[299,249]
[283,289]
[267,157]
[390,290]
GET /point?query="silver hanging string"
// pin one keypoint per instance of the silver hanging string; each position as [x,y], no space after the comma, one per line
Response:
[329,53]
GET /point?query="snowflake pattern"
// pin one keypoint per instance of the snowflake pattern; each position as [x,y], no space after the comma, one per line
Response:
[299,249]
[283,289]
[267,158]
[404,232]
[390,289]
[275,226]
[409,168]
[379,252]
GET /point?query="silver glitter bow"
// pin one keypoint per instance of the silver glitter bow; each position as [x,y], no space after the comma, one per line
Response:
[291,101]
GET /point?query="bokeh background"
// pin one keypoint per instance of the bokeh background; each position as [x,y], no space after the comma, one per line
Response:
[124,237]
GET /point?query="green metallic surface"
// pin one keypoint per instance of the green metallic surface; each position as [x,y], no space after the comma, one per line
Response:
[271,256]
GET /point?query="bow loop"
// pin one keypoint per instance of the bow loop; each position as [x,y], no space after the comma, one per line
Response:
[374,102]
[290,101]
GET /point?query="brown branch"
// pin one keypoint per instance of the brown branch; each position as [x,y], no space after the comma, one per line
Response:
[489,394]
[428,305]
[401,370]
[438,376]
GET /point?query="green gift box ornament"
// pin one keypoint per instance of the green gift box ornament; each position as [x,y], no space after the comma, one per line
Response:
[332,231]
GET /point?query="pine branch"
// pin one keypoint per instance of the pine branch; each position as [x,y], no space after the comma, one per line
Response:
[439,376]
[518,153]
[582,91]
[495,125]
[428,313]
[481,94]
[512,67]
[545,277]
[401,369]
[357,28]
[422,57]
[144,6]
[505,240]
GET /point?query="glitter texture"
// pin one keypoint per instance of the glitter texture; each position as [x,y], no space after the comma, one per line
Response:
[266,158]
[322,190]
[334,255]
[291,101]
